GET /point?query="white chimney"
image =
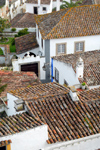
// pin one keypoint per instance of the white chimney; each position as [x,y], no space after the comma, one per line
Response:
[80,68]
[39,2]
[50,7]
[73,93]
[58,5]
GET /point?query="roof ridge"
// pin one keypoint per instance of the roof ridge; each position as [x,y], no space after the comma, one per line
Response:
[46,37]
[59,21]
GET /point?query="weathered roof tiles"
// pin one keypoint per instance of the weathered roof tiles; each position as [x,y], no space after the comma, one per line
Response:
[72,22]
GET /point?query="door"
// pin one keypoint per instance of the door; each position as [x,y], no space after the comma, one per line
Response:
[35,10]
[3,148]
[30,68]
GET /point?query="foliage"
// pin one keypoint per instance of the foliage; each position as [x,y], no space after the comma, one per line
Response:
[83,84]
[13,29]
[13,41]
[12,47]
[1,52]
[22,32]
[4,23]
[70,4]
[3,39]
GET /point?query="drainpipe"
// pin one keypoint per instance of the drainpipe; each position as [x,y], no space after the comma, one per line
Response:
[51,69]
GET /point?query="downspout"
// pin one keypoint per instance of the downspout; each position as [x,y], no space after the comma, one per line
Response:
[51,69]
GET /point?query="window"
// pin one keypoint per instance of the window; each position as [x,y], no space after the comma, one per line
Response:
[56,75]
[42,43]
[61,49]
[21,1]
[44,8]
[38,33]
[79,46]
[19,105]
[65,83]
[35,10]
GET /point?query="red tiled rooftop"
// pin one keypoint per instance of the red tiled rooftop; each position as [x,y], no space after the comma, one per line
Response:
[17,123]
[90,95]
[38,91]
[15,80]
[66,119]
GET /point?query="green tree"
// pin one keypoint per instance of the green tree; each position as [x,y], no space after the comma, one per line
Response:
[70,4]
[4,23]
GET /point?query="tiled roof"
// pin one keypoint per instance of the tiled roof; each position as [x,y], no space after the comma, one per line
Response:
[4,143]
[24,20]
[38,91]
[90,95]
[73,22]
[17,123]
[25,43]
[91,65]
[42,1]
[66,119]
[86,2]
[15,80]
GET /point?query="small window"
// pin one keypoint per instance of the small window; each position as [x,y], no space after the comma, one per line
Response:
[42,43]
[38,33]
[56,75]
[19,105]
[44,8]
[65,83]
[21,1]
[61,49]
[79,47]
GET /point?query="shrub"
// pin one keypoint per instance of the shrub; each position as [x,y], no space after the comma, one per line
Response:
[83,84]
[23,32]
[1,52]
[13,29]
[13,41]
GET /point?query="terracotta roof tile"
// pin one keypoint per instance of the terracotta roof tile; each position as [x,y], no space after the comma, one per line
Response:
[24,20]
[73,22]
[38,91]
[4,143]
[91,65]
[25,43]
[66,119]
[15,80]
[90,95]
[17,123]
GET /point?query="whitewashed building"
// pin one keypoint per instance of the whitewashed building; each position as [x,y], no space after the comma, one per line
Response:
[62,32]
[12,8]
[76,68]
[42,6]
[71,124]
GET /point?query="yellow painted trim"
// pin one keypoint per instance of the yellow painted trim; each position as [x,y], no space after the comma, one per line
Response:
[9,147]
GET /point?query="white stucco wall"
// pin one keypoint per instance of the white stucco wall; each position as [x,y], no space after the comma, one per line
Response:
[18,8]
[91,43]
[29,8]
[65,72]
[2,59]
[88,143]
[32,139]
[10,105]
[29,60]
[39,39]
[2,108]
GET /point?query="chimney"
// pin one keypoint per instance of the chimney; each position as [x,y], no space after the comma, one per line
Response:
[80,68]
[51,6]
[39,2]
[73,93]
[58,5]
